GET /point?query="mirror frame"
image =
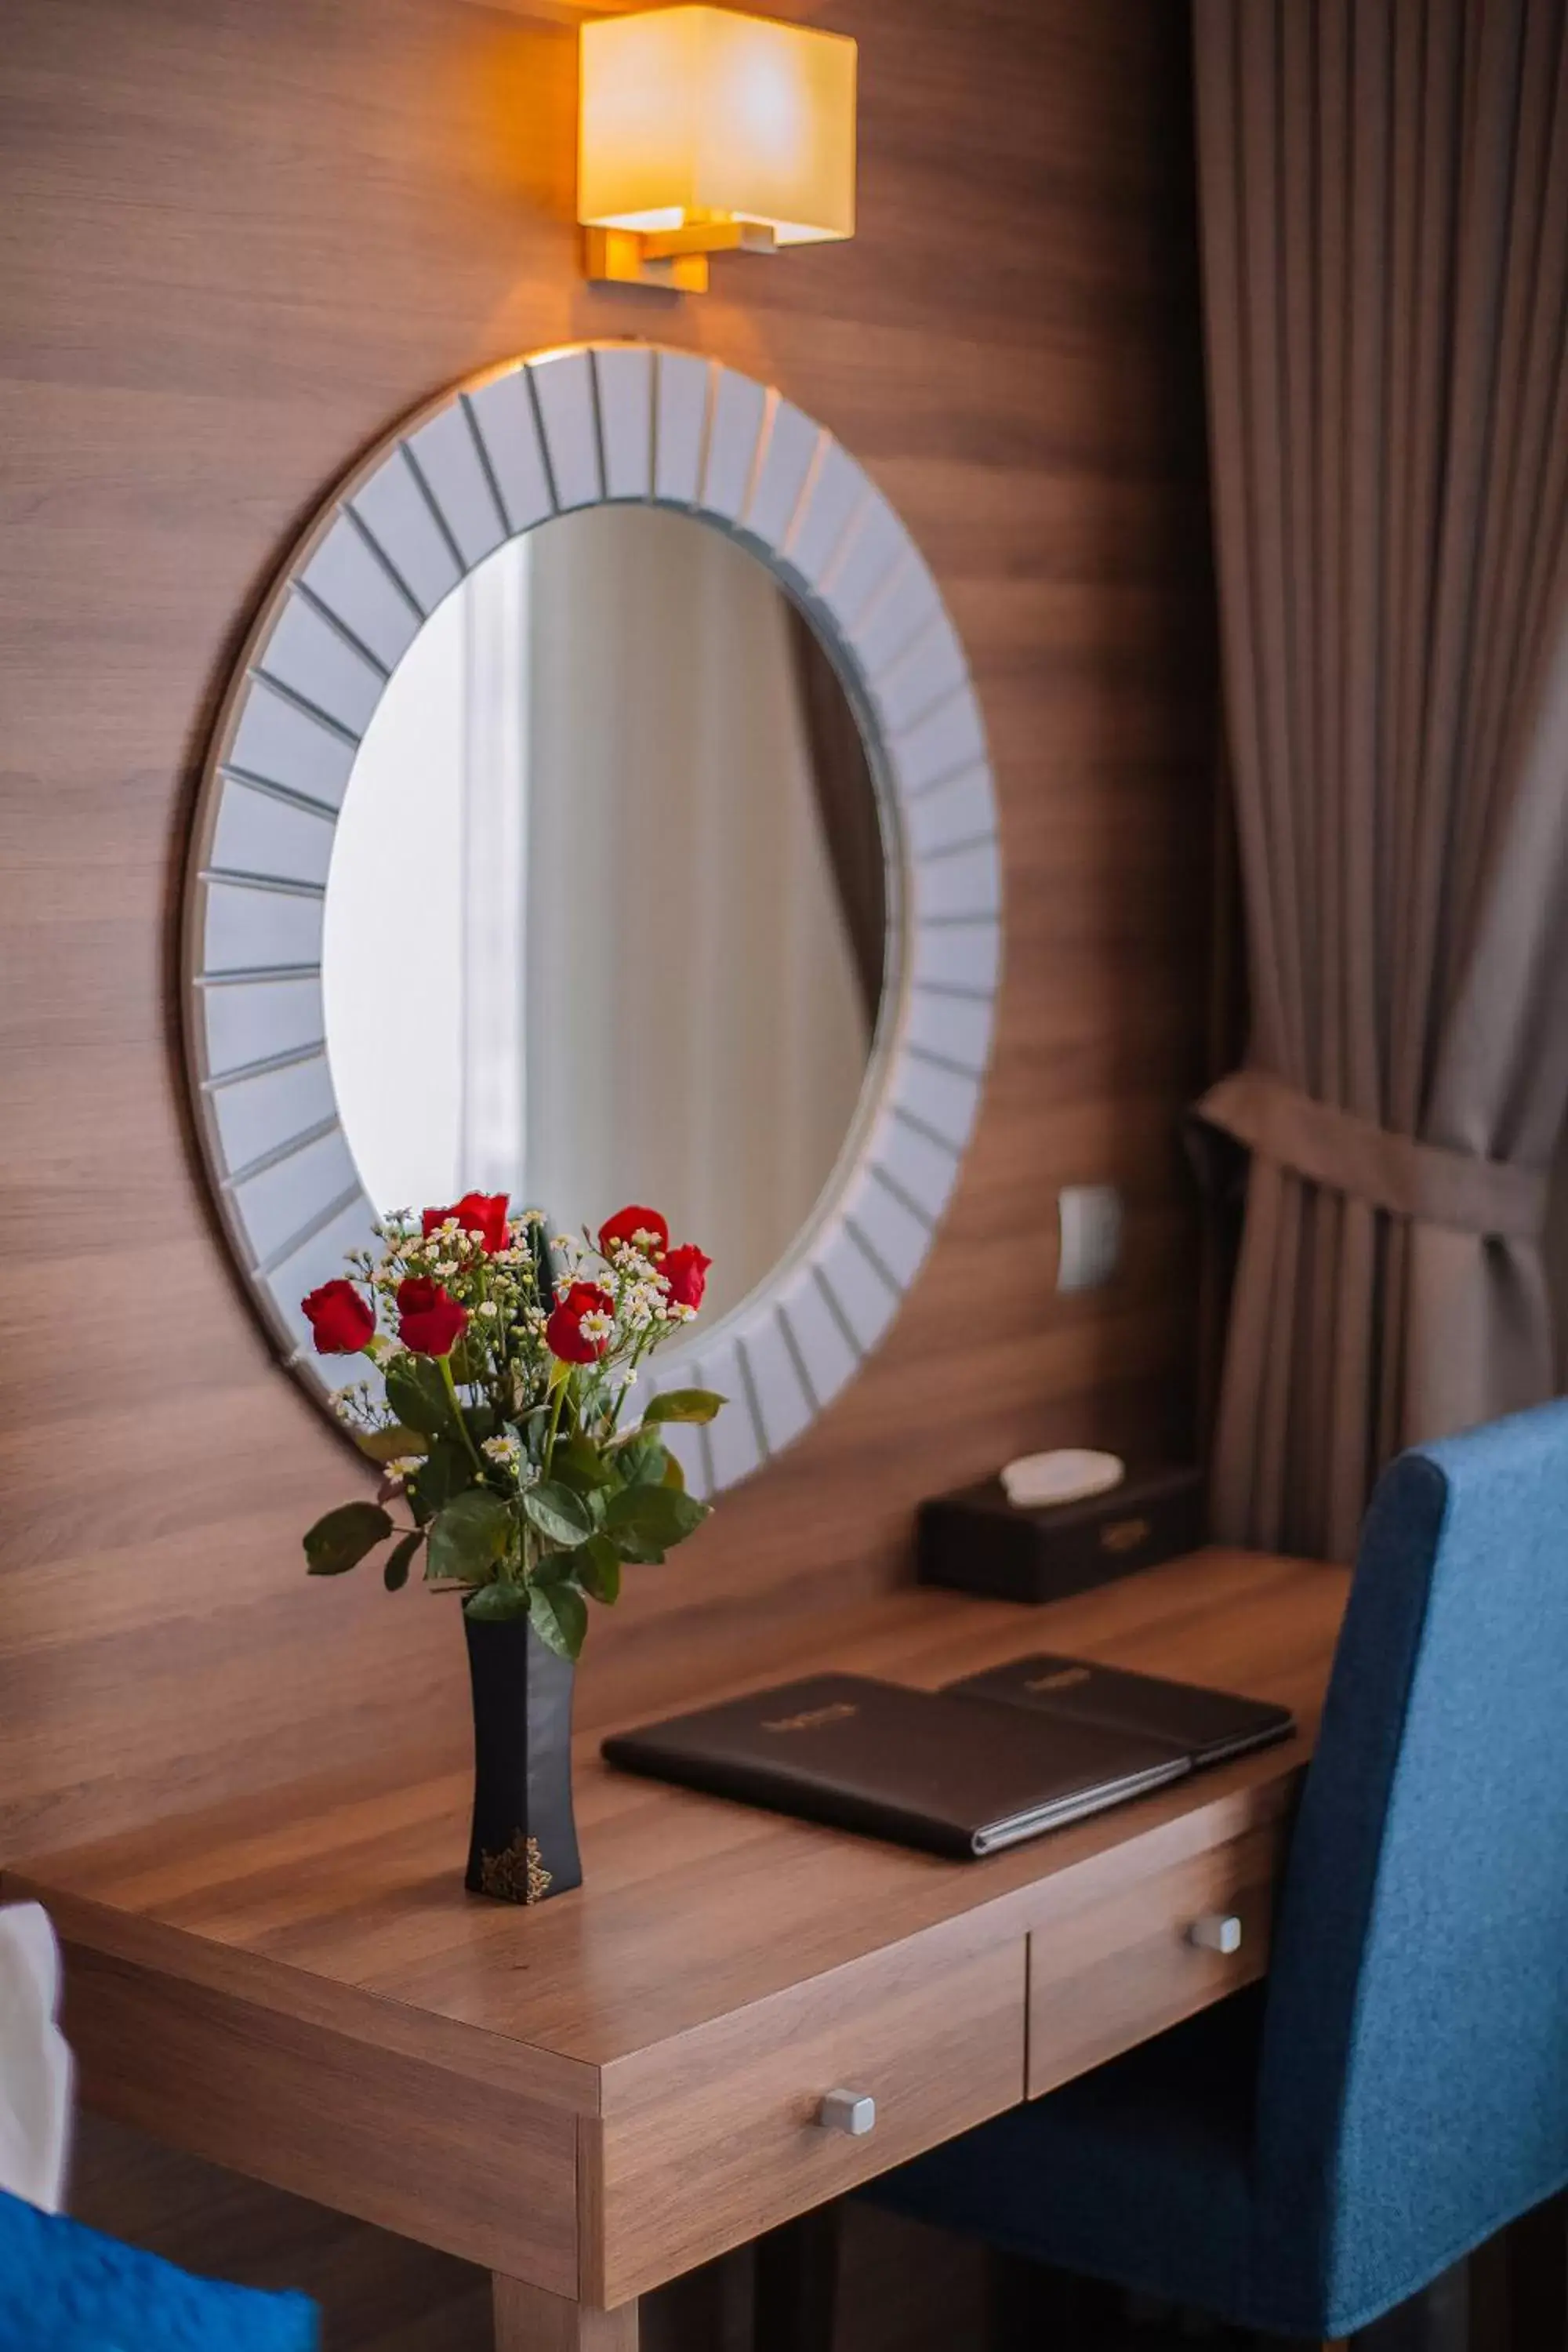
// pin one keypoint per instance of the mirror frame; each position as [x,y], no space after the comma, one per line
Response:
[589,424]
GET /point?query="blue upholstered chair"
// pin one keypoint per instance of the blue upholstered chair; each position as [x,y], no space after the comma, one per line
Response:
[64,2288]
[1308,2155]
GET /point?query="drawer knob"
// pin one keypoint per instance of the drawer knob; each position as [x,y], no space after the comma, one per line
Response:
[1215,1931]
[848,2111]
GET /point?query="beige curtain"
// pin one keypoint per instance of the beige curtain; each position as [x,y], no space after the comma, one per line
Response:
[706,1042]
[1385,192]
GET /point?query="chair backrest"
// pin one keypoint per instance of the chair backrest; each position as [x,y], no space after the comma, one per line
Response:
[1412,2095]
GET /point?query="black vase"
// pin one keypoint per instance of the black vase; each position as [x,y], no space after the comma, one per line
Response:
[524,1843]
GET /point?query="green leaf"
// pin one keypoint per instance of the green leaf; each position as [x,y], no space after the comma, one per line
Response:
[674,1476]
[579,1464]
[392,1445]
[445,1474]
[468,1536]
[638,1550]
[559,1515]
[685,1404]
[653,1515]
[495,1605]
[560,1617]
[417,1395]
[341,1540]
[400,1559]
[598,1568]
[642,1461]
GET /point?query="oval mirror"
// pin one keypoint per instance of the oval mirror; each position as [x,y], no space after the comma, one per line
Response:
[600,811]
[605,915]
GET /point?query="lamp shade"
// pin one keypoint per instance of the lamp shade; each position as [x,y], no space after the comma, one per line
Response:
[691,115]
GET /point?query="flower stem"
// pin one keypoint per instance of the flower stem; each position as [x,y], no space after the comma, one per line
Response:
[446,1364]
[554,1425]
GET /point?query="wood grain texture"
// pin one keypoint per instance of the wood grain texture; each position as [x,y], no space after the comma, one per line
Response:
[233,242]
[341,1901]
[378,2292]
[470,2170]
[720,1968]
[382,2293]
[528,2319]
[712,2139]
[1122,1968]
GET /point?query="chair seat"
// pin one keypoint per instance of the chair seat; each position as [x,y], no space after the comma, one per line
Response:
[1139,2173]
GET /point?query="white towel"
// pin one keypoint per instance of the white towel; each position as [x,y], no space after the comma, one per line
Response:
[34,2062]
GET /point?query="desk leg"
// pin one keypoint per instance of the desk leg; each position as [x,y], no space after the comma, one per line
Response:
[796,2287]
[530,2319]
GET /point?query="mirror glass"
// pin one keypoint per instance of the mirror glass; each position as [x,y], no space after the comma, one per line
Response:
[607,913]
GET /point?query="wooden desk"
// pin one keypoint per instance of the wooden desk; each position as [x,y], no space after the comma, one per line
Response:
[591,2098]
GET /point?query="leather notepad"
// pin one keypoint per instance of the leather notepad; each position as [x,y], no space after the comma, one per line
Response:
[1206,1725]
[955,1775]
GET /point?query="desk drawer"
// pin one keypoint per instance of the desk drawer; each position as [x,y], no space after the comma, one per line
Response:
[711,2138]
[1123,1967]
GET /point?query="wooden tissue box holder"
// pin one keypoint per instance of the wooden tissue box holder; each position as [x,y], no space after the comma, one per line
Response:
[977,1542]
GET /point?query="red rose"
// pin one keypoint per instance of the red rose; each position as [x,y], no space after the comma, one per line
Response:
[476,1212]
[686,1271]
[429,1321]
[340,1319]
[643,1228]
[564,1334]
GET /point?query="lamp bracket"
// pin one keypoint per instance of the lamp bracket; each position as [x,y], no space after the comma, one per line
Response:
[672,257]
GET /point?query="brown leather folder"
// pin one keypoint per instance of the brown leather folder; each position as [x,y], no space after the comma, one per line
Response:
[1208,1724]
[958,1776]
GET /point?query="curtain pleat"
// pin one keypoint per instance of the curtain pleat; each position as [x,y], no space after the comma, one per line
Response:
[1384,189]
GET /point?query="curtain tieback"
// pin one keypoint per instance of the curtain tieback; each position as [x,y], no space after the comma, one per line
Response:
[1351,1155]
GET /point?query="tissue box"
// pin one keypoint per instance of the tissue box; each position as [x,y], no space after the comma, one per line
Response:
[976,1541]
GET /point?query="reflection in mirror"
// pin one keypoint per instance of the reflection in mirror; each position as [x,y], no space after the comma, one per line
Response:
[607,906]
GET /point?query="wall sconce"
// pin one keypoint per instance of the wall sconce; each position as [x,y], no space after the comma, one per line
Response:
[702,132]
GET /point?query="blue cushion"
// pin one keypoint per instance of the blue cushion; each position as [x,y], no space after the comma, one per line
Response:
[64,2288]
[1410,2090]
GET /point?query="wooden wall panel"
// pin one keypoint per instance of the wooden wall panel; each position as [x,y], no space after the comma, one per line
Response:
[234,242]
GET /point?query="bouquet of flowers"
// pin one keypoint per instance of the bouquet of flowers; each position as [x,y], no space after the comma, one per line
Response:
[506,1360]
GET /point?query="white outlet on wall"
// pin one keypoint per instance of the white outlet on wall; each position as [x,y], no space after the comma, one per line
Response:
[1090,1220]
